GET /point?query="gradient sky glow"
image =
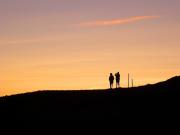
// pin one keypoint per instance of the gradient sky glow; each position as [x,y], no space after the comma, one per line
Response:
[75,44]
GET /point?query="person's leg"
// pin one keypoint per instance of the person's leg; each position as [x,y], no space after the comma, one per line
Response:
[110,85]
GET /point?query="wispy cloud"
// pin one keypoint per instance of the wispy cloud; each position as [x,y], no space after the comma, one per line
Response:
[117,21]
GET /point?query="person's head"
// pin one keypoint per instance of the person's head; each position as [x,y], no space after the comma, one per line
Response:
[111,74]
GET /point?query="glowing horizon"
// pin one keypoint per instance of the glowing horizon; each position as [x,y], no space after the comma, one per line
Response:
[67,44]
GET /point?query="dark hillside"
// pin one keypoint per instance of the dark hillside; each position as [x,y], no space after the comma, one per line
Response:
[157,104]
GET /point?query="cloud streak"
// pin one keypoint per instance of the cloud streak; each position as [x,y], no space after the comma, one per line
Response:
[117,21]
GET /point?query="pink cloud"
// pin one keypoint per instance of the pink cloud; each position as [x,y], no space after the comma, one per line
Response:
[117,21]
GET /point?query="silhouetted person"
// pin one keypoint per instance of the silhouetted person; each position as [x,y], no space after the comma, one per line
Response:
[111,80]
[117,80]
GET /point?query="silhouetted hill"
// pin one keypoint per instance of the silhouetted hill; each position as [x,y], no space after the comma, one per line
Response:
[156,103]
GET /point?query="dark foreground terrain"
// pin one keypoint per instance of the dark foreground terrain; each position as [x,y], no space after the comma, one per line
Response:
[150,109]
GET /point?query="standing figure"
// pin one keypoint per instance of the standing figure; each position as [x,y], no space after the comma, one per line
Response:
[111,80]
[117,80]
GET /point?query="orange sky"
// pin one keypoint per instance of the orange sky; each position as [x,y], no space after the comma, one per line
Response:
[68,45]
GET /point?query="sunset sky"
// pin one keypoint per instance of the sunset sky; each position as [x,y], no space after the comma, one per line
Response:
[75,44]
